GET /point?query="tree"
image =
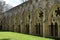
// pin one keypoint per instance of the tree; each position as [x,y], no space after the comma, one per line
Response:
[2,3]
[7,7]
[4,7]
[24,0]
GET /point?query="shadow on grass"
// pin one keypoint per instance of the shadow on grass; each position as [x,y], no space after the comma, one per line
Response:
[55,38]
[5,39]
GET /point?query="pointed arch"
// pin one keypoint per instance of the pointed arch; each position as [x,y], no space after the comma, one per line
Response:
[53,22]
[53,8]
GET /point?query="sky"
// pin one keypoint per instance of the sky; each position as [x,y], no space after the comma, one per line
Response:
[13,2]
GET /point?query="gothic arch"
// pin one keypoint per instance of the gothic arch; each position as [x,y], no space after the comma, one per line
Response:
[51,17]
[39,21]
[53,29]
[52,11]
[39,15]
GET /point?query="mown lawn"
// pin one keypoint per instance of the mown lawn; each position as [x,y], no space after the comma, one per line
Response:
[19,36]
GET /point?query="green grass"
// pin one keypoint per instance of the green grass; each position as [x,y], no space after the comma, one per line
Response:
[19,36]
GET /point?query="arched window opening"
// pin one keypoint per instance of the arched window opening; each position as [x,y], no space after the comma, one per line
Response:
[27,28]
[29,16]
[41,14]
[57,11]
[56,29]
[53,29]
[19,28]
[7,27]
[37,29]
[12,28]
[1,26]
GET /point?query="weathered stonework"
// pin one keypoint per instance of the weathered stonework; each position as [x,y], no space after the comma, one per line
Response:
[37,17]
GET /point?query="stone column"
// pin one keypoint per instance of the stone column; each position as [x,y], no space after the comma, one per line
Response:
[45,24]
[32,29]
[59,31]
[33,23]
[41,27]
[15,26]
[45,20]
[23,28]
[45,29]
[23,23]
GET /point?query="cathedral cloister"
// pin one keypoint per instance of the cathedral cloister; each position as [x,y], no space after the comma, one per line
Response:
[36,17]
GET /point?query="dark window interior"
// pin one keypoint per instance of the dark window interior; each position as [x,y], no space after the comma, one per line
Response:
[12,28]
[27,28]
[1,26]
[57,11]
[19,28]
[41,14]
[37,29]
[29,16]
[54,29]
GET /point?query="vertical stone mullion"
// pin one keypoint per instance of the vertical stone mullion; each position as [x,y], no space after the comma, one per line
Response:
[45,24]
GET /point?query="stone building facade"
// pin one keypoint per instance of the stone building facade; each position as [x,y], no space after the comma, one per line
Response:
[36,17]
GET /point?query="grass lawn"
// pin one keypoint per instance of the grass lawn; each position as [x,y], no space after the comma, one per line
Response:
[19,36]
